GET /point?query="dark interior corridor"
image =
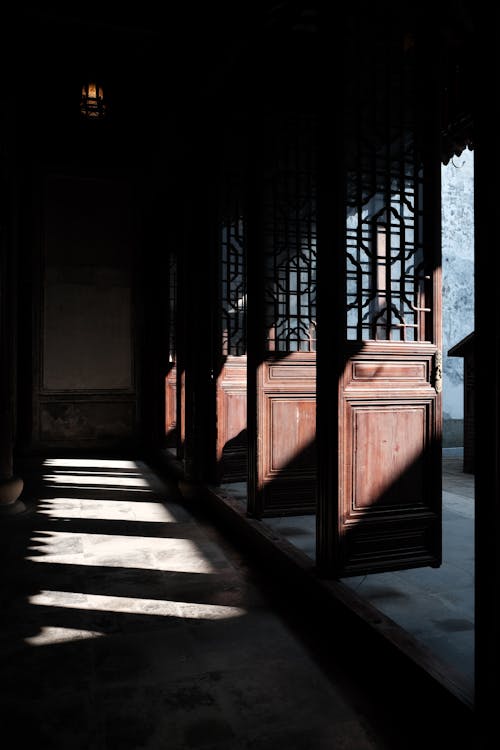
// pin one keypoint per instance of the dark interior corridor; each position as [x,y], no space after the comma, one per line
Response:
[221,262]
[130,621]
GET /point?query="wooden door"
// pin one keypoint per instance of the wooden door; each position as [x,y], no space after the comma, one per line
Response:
[283,278]
[232,441]
[231,381]
[380,483]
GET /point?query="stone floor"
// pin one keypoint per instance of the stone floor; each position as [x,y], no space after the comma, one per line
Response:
[435,605]
[129,622]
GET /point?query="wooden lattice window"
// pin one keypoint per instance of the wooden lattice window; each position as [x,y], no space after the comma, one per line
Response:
[172,305]
[290,239]
[233,287]
[386,278]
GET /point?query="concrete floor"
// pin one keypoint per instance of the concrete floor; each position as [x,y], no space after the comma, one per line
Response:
[129,622]
[434,605]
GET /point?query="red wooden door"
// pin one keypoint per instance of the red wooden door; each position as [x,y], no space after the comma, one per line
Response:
[231,381]
[171,407]
[380,503]
[283,473]
[286,454]
[232,444]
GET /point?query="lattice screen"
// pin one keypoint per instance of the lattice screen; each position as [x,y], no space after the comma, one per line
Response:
[386,289]
[233,291]
[172,305]
[290,239]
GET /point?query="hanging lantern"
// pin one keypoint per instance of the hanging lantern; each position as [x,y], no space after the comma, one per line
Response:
[92,104]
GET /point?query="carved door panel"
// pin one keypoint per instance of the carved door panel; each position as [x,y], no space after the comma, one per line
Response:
[380,507]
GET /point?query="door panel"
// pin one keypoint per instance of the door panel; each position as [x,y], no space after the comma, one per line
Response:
[389,517]
[396,447]
[287,426]
[232,444]
[381,508]
[171,407]
[283,480]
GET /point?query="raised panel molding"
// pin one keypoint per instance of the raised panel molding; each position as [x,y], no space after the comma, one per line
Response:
[390,371]
[232,440]
[291,372]
[387,509]
[368,373]
[291,430]
[388,446]
[287,448]
[298,367]
[171,402]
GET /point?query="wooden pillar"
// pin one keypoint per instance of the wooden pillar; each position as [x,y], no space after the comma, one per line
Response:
[255,308]
[330,288]
[487,362]
[11,486]
[158,239]
[196,303]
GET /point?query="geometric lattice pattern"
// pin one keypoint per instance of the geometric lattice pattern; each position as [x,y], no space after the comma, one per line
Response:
[386,277]
[290,240]
[172,305]
[233,291]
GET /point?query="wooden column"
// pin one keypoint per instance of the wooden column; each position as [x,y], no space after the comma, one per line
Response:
[161,212]
[196,303]
[331,285]
[255,309]
[10,485]
[487,358]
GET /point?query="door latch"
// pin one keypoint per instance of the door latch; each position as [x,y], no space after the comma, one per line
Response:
[438,371]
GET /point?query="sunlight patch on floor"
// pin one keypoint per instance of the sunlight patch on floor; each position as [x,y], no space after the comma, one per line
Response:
[85,508]
[97,463]
[134,605]
[176,555]
[98,480]
[49,636]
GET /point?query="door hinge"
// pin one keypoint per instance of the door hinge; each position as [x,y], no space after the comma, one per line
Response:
[438,371]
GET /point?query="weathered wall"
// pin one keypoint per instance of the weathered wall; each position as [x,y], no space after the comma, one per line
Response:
[85,369]
[458,284]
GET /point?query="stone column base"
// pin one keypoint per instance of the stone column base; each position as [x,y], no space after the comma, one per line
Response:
[10,489]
